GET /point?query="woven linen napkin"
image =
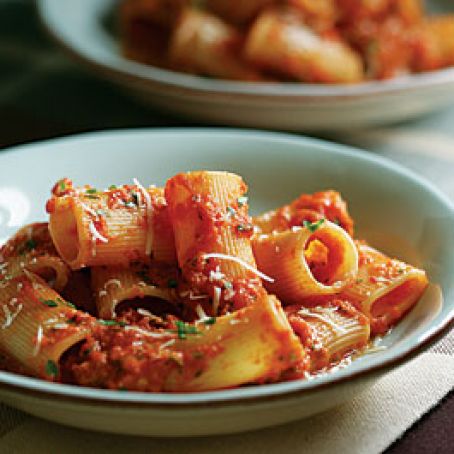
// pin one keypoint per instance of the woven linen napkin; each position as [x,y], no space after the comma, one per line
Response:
[368,423]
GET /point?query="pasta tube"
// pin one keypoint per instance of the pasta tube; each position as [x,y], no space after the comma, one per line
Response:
[37,326]
[31,248]
[212,236]
[203,44]
[112,227]
[330,331]
[113,286]
[254,344]
[320,259]
[385,289]
[279,43]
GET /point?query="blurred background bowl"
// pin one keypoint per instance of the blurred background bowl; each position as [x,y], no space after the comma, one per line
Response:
[86,28]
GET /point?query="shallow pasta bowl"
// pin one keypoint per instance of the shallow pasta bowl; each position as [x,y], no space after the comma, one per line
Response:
[394,209]
[80,27]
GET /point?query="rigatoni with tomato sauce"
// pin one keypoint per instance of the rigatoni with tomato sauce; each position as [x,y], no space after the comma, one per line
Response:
[37,326]
[32,249]
[385,289]
[112,227]
[315,260]
[252,345]
[213,232]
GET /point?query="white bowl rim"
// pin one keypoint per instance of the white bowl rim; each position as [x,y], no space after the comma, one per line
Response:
[119,66]
[433,333]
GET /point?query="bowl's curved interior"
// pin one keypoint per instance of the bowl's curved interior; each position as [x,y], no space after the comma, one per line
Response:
[88,29]
[394,209]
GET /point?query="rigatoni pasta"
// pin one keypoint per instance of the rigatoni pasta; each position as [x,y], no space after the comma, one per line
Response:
[319,259]
[178,289]
[115,226]
[308,41]
[385,289]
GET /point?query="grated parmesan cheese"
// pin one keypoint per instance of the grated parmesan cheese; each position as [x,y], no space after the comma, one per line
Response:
[200,312]
[167,344]
[39,339]
[318,313]
[216,255]
[116,282]
[149,216]
[89,209]
[95,236]
[216,275]
[147,333]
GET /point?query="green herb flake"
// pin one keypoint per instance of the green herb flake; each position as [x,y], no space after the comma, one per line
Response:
[228,285]
[30,244]
[135,198]
[313,226]
[91,191]
[51,368]
[231,211]
[244,227]
[92,197]
[359,281]
[209,320]
[172,283]
[112,187]
[50,303]
[62,185]
[242,200]
[111,323]
[183,329]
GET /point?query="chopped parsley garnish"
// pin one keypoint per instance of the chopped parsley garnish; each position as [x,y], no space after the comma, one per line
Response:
[93,197]
[50,303]
[231,211]
[28,246]
[135,198]
[91,191]
[242,200]
[359,281]
[183,329]
[209,320]
[228,285]
[62,185]
[111,323]
[112,187]
[313,226]
[51,368]
[172,283]
[244,227]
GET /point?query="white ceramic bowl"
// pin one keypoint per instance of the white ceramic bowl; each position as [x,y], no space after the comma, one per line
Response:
[80,26]
[393,208]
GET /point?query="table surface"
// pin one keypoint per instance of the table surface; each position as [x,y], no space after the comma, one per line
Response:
[37,79]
